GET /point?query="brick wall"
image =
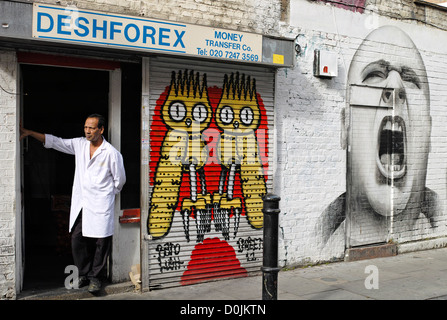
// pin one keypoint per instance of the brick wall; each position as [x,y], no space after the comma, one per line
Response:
[312,164]
[243,15]
[8,140]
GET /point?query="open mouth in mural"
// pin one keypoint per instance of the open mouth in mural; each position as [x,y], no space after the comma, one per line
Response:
[391,155]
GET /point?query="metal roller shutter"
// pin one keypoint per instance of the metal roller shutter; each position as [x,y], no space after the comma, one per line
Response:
[210,147]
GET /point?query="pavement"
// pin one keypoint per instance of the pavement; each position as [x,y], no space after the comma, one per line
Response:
[420,275]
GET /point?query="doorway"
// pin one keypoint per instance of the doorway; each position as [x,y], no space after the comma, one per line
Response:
[374,160]
[56,100]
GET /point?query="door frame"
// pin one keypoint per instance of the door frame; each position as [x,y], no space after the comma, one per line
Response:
[114,120]
[363,96]
[20,186]
[144,174]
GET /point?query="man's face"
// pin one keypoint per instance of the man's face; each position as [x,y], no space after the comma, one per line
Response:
[91,130]
[390,156]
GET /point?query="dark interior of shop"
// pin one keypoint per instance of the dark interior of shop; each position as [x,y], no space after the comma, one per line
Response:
[56,100]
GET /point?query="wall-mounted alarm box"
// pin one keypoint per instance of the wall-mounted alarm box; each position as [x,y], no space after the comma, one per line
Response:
[325,63]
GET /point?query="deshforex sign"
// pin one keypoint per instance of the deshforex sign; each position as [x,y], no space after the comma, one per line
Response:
[104,29]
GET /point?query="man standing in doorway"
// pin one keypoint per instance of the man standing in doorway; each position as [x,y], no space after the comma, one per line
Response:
[99,176]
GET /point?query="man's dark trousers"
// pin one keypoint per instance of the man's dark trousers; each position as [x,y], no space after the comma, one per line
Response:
[89,254]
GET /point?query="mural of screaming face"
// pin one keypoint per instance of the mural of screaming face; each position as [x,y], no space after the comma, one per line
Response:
[388,141]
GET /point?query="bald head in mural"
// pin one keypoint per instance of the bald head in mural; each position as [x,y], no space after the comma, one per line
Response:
[387,126]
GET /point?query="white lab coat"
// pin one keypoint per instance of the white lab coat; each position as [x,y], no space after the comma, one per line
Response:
[96,182]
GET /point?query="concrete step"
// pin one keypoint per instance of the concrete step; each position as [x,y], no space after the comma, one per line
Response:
[75,294]
[371,252]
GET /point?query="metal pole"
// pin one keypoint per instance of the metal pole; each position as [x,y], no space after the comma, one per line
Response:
[270,248]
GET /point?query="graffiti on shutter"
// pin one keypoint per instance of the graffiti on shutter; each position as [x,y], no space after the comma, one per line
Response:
[208,169]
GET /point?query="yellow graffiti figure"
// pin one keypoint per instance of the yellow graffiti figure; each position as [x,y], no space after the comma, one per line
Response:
[238,115]
[186,113]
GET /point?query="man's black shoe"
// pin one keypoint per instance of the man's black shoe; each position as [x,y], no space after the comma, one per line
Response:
[82,281]
[95,285]
[78,283]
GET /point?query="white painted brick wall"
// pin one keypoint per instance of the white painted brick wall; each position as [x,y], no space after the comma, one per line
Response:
[312,165]
[243,15]
[311,169]
[8,138]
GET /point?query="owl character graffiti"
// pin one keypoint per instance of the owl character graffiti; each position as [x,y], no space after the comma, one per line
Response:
[205,158]
[186,113]
[238,116]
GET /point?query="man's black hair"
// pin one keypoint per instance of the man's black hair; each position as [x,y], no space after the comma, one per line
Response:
[101,120]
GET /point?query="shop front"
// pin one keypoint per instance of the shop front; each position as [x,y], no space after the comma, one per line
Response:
[191,109]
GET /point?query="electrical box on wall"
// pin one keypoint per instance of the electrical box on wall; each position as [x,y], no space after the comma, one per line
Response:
[325,64]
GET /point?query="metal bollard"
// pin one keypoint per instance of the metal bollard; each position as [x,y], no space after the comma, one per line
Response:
[270,247]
